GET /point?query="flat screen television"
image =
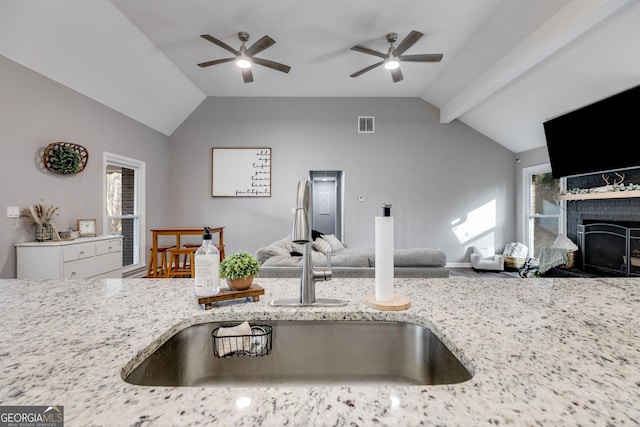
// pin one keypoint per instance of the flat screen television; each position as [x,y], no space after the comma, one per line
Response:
[599,137]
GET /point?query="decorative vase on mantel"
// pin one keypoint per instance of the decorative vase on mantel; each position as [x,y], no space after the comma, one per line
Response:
[44,232]
[240,284]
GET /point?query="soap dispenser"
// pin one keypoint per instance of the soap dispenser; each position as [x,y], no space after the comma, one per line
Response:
[207,271]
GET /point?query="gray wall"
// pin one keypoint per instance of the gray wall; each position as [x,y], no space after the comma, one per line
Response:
[434,174]
[35,111]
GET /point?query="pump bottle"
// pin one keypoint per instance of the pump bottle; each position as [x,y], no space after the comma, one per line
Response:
[207,267]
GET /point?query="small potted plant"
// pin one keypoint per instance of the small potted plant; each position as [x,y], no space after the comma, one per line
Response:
[238,269]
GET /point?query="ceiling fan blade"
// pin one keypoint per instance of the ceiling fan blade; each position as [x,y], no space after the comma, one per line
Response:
[364,70]
[247,75]
[408,41]
[271,64]
[220,43]
[368,51]
[260,45]
[215,62]
[427,57]
[396,75]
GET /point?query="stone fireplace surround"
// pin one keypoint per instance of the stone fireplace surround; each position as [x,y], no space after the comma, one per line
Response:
[623,211]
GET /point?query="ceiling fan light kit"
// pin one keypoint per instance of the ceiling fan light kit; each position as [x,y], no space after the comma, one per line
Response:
[391,64]
[243,63]
[394,56]
[244,57]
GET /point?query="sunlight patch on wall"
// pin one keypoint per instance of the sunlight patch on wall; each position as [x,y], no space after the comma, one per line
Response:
[477,222]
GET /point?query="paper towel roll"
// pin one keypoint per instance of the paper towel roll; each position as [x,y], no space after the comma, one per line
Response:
[384,258]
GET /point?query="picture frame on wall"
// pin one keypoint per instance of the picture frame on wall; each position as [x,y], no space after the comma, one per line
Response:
[241,172]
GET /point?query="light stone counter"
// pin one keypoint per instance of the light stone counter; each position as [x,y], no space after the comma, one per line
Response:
[543,352]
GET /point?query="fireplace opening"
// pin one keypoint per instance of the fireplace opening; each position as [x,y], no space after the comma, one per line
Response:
[610,247]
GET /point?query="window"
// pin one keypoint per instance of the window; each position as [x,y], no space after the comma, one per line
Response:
[124,206]
[545,220]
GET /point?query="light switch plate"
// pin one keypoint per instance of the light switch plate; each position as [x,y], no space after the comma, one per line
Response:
[13,211]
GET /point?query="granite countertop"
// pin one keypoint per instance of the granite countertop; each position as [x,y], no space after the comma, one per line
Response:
[542,351]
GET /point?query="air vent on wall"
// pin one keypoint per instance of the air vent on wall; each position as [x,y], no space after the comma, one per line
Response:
[365,124]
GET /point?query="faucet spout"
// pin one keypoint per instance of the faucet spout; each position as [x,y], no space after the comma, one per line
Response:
[302,234]
[301,227]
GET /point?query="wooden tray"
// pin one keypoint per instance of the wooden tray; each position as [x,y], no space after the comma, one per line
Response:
[398,303]
[227,294]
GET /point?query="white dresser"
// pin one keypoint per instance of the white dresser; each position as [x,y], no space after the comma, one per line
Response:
[82,258]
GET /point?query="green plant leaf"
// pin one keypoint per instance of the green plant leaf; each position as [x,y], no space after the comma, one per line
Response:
[65,160]
[238,266]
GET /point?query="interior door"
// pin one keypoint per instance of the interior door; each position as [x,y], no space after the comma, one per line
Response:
[326,202]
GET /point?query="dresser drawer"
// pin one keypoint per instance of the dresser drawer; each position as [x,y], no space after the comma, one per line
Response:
[74,252]
[82,258]
[108,246]
[85,268]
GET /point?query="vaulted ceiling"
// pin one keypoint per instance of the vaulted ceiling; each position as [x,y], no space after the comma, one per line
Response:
[508,65]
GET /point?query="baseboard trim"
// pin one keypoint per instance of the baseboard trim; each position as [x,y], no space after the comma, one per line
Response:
[138,273]
[458,264]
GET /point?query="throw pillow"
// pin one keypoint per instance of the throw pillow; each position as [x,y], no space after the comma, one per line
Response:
[277,248]
[298,248]
[321,245]
[315,234]
[515,250]
[336,244]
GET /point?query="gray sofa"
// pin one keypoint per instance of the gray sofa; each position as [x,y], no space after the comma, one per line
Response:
[283,258]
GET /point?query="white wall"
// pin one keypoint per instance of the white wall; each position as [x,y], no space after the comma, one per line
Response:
[35,111]
[432,173]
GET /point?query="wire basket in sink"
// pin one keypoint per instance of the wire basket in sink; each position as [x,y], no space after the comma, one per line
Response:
[258,343]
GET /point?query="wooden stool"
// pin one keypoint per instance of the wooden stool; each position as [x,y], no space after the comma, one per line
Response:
[161,267]
[194,246]
[181,262]
[197,245]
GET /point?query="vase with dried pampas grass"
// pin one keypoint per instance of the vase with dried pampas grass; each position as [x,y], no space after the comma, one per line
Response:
[39,216]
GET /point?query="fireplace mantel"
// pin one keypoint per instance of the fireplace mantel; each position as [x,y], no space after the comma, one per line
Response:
[607,195]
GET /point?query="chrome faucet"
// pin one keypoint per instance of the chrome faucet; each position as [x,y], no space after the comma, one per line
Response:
[302,234]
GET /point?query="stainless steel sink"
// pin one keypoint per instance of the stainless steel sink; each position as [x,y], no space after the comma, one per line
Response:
[307,353]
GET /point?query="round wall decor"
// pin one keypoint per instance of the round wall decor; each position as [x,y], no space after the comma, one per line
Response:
[65,158]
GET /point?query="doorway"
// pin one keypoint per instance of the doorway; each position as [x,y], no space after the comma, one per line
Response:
[327,202]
